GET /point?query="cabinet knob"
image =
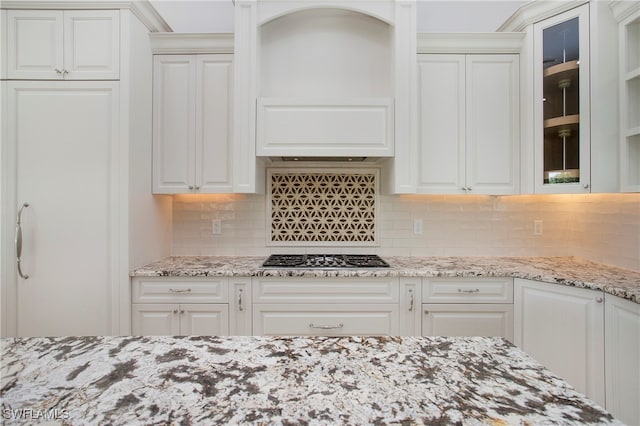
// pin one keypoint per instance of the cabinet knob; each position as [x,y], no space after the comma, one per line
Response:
[585,186]
[197,188]
[191,187]
[175,311]
[599,300]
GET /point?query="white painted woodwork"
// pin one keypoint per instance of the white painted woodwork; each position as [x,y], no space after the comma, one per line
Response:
[204,320]
[35,44]
[629,75]
[622,360]
[155,320]
[92,44]
[584,186]
[325,290]
[410,300]
[494,320]
[469,124]
[68,173]
[562,327]
[192,123]
[467,290]
[325,319]
[69,45]
[182,290]
[180,319]
[270,65]
[325,127]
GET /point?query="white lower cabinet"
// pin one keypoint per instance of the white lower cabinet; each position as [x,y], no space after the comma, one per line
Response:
[467,307]
[562,327]
[190,306]
[622,361]
[325,306]
[206,319]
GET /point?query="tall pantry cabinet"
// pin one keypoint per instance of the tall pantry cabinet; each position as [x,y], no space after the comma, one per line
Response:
[76,143]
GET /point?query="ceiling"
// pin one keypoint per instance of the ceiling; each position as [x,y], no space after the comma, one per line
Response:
[216,16]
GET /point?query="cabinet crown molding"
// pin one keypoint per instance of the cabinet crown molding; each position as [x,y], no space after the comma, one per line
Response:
[500,43]
[142,9]
[622,9]
[536,11]
[191,43]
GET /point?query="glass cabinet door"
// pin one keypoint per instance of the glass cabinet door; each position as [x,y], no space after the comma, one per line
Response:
[562,90]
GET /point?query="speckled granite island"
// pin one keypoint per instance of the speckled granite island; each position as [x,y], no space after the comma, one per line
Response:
[568,271]
[283,380]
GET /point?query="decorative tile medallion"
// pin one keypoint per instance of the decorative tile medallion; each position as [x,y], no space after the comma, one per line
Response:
[324,207]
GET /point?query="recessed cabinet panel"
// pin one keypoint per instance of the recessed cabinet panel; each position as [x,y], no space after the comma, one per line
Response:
[494,320]
[204,320]
[185,290]
[312,319]
[629,40]
[467,290]
[91,45]
[174,109]
[155,320]
[34,44]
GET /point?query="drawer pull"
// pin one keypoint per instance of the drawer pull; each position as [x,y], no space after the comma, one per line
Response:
[180,290]
[469,291]
[326,327]
[240,304]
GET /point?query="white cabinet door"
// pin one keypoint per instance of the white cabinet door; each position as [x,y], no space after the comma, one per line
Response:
[34,44]
[155,319]
[70,45]
[441,95]
[214,100]
[92,45]
[62,151]
[492,123]
[494,320]
[192,124]
[622,347]
[563,328]
[174,118]
[469,124]
[204,319]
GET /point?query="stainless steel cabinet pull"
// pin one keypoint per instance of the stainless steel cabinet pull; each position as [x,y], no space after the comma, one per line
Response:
[411,301]
[58,71]
[180,290]
[471,290]
[240,306]
[19,242]
[326,327]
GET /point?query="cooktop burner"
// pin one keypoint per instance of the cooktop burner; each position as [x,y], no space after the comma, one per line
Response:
[325,261]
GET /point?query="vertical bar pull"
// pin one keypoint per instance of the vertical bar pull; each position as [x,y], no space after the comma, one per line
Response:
[19,242]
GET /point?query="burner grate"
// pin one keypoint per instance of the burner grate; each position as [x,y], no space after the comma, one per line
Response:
[325,261]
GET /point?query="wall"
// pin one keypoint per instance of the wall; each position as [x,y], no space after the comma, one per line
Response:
[601,227]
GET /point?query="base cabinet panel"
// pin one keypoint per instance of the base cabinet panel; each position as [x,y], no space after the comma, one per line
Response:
[493,320]
[622,368]
[562,327]
[156,319]
[331,320]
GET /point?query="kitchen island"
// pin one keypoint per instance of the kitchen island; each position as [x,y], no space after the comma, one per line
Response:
[283,380]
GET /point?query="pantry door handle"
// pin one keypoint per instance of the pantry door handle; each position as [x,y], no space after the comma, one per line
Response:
[18,242]
[326,327]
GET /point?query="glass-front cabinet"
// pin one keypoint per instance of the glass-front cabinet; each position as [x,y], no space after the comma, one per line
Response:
[562,142]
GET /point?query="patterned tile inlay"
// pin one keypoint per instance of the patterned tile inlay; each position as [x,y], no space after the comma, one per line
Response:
[323,207]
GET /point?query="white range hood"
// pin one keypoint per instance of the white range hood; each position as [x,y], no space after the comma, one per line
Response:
[325,78]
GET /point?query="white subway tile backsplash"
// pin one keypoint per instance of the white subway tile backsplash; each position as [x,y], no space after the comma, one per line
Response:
[601,227]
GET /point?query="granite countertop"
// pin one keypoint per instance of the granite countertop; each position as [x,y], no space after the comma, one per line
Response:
[283,380]
[569,271]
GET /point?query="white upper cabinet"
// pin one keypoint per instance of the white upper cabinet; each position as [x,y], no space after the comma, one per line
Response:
[629,49]
[70,45]
[468,124]
[192,123]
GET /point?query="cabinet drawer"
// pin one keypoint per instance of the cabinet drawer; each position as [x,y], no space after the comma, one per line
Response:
[320,290]
[488,320]
[467,290]
[180,290]
[325,319]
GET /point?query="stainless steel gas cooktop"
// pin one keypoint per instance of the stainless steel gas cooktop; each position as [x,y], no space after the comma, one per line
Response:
[325,261]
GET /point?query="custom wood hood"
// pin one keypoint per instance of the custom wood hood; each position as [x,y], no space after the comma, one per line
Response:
[325,78]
